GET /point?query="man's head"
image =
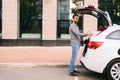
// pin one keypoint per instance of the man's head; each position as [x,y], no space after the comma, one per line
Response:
[75,18]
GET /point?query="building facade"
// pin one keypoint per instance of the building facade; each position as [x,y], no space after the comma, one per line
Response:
[22,26]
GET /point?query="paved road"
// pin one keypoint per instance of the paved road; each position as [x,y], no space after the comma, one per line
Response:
[46,74]
[88,75]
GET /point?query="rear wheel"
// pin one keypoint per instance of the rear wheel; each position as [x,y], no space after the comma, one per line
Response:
[113,70]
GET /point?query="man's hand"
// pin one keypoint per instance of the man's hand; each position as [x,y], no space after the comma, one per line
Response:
[90,33]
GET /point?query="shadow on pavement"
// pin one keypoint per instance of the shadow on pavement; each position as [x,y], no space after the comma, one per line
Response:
[89,75]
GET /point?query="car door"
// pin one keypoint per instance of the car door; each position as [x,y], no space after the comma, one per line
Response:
[113,39]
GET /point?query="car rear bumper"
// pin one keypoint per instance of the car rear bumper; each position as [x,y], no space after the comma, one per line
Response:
[84,65]
[90,65]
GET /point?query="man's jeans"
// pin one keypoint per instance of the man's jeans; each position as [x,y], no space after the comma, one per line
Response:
[75,48]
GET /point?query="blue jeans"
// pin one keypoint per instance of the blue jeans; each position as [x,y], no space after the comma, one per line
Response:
[75,48]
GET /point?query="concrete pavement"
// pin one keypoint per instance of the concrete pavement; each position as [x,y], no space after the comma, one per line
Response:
[31,63]
[53,73]
[40,63]
[34,74]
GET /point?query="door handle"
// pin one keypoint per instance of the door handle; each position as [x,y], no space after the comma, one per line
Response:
[119,51]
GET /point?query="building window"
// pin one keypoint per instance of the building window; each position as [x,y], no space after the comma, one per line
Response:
[0,19]
[63,20]
[113,7]
[30,18]
[64,17]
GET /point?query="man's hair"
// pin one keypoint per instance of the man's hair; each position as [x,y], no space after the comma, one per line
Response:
[74,15]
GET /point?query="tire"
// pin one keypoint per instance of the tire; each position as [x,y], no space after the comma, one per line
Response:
[113,70]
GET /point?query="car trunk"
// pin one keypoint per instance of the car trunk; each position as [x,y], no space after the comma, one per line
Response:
[100,15]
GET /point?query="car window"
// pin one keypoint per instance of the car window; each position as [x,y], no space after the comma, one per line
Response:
[114,35]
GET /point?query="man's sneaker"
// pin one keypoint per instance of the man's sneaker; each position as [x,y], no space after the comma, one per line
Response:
[76,71]
[72,74]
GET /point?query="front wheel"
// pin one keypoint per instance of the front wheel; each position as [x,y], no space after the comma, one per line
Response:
[113,70]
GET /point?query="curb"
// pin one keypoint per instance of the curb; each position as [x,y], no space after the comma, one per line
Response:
[34,65]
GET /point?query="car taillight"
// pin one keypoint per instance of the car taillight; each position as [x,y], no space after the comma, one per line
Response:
[94,45]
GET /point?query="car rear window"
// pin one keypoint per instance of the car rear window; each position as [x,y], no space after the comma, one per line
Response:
[114,35]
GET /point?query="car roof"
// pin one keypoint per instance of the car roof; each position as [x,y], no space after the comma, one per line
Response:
[115,27]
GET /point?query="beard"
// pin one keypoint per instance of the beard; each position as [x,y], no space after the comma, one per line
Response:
[76,22]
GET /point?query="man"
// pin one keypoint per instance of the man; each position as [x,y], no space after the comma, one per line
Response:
[75,36]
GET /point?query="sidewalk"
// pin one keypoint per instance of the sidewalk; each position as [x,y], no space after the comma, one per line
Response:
[36,55]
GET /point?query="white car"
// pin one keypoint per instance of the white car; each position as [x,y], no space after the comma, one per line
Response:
[102,51]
